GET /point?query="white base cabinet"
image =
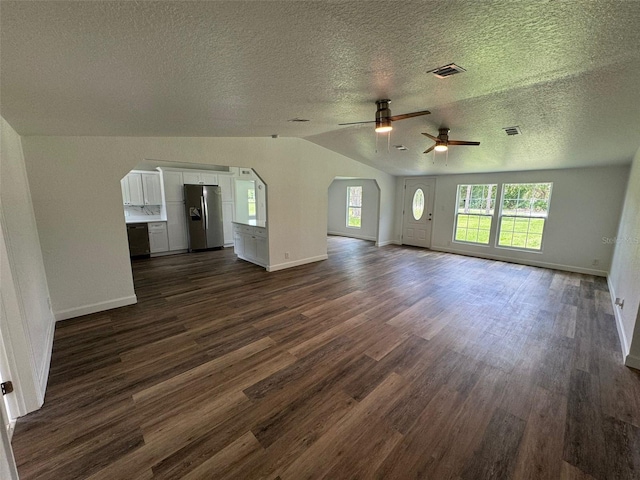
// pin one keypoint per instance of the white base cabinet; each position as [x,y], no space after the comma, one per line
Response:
[158,239]
[251,244]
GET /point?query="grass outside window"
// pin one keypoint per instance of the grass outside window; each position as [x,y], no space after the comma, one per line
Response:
[473,229]
[523,215]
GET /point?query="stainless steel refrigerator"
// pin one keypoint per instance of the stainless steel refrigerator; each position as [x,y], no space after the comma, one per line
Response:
[204,216]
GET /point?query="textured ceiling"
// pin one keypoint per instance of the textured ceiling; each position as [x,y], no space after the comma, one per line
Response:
[568,73]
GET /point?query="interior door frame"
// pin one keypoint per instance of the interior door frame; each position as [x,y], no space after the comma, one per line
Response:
[429,202]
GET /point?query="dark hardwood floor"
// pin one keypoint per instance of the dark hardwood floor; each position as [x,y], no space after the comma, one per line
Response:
[379,363]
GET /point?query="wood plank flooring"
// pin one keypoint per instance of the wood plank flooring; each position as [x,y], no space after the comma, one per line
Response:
[379,363]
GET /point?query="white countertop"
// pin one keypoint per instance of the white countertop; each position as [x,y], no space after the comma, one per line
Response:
[144,219]
[253,223]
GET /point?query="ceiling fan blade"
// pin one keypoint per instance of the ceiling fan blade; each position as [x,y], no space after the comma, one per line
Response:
[460,142]
[357,123]
[395,118]
[429,149]
[435,139]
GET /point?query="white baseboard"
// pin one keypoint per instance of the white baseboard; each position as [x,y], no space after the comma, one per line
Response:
[350,235]
[520,261]
[95,307]
[387,242]
[632,361]
[296,263]
[624,344]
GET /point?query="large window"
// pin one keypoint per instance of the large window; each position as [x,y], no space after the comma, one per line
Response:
[523,214]
[476,205]
[354,207]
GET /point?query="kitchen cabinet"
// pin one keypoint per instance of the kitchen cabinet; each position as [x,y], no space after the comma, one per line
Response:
[173,186]
[139,189]
[177,226]
[251,244]
[158,239]
[132,189]
[151,188]
[199,178]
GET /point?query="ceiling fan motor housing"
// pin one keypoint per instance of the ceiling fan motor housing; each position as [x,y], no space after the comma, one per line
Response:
[383,113]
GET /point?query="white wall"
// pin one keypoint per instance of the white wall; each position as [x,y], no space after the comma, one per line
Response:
[624,279]
[585,207]
[29,321]
[75,184]
[337,214]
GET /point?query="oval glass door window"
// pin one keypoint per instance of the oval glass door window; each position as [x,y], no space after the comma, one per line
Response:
[418,204]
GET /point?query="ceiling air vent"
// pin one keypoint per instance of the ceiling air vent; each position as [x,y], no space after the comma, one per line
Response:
[447,70]
[512,130]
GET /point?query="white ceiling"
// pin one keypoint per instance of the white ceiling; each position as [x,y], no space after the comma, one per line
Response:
[568,73]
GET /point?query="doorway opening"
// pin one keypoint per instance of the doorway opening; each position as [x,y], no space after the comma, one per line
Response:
[353,208]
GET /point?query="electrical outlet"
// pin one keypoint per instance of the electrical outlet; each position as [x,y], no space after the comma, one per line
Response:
[286,255]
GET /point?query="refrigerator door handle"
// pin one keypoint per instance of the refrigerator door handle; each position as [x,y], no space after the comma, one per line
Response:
[205,210]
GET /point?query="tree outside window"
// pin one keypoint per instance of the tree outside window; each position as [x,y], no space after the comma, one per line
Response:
[251,203]
[354,206]
[524,212]
[474,215]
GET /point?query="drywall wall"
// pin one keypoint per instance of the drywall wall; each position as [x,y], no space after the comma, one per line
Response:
[624,279]
[585,208]
[78,206]
[25,292]
[337,213]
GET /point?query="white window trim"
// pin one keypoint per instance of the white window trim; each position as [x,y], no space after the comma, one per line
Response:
[349,206]
[492,215]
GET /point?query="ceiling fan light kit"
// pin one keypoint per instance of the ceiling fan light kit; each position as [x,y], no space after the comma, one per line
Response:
[384,118]
[442,141]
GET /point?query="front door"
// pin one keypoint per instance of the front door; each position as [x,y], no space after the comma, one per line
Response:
[418,211]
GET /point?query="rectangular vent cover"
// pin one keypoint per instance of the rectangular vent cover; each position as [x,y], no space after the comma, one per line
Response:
[447,70]
[512,130]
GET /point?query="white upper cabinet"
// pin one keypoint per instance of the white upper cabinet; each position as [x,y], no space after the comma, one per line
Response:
[124,186]
[151,188]
[209,178]
[139,189]
[173,186]
[200,178]
[132,189]
[191,178]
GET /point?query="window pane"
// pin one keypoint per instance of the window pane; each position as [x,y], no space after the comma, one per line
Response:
[418,204]
[521,232]
[474,213]
[525,207]
[354,204]
[354,195]
[354,217]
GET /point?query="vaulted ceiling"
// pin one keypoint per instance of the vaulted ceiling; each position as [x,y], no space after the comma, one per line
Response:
[566,73]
